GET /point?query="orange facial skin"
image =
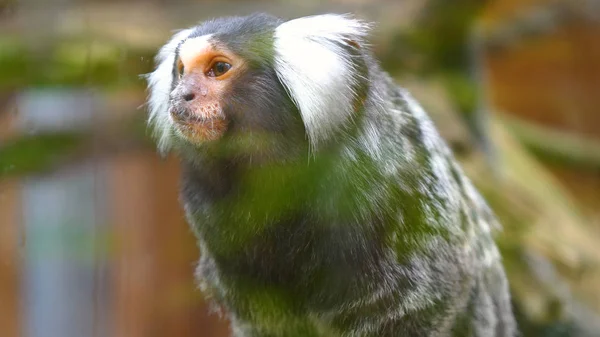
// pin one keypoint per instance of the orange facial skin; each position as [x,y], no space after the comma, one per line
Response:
[197,106]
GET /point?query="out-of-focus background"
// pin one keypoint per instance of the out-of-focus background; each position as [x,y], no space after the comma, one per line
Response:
[94,243]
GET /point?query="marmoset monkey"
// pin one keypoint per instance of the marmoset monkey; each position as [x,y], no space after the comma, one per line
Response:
[323,199]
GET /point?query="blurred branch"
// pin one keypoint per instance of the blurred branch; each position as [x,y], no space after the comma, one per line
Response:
[557,146]
[481,111]
[539,20]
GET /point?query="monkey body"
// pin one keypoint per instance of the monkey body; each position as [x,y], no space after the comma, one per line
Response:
[342,214]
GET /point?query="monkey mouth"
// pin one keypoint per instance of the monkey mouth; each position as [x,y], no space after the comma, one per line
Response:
[198,128]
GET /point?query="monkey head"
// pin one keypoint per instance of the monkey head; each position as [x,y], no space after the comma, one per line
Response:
[280,84]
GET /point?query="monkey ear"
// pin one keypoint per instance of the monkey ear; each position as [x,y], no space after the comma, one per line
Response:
[159,86]
[316,61]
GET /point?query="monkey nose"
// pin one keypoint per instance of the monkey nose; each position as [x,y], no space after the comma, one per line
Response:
[189,96]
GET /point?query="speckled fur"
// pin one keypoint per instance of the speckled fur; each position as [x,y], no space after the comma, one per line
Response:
[354,219]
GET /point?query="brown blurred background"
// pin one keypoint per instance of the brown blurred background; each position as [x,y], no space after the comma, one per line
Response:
[93,241]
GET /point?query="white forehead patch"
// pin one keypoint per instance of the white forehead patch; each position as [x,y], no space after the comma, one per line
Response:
[317,71]
[190,48]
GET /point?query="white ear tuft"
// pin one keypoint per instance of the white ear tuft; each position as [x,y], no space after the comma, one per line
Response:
[314,64]
[159,85]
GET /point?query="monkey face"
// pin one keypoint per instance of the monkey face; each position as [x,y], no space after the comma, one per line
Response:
[203,80]
[225,99]
[259,83]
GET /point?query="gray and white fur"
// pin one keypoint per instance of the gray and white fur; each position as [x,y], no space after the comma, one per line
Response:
[353,219]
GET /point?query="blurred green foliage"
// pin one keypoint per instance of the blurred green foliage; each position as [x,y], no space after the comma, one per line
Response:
[70,62]
[31,154]
[439,39]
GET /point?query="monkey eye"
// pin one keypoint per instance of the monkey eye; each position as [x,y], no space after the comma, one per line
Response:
[218,69]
